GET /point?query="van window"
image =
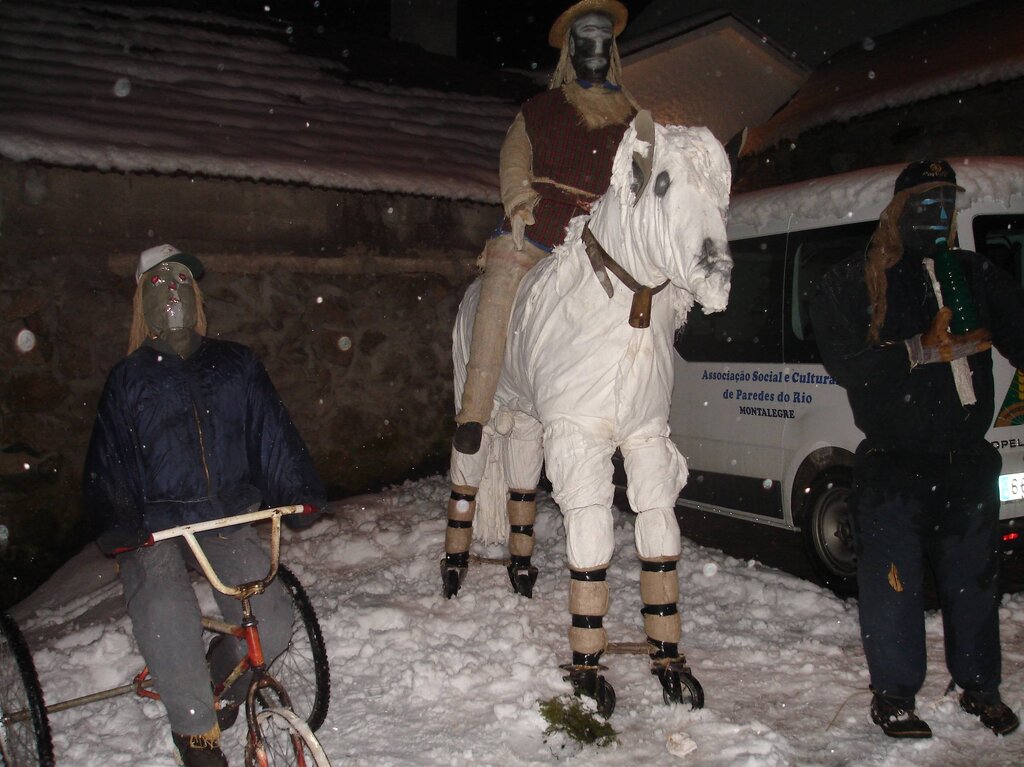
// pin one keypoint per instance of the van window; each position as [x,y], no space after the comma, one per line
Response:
[815,252]
[750,329]
[1001,238]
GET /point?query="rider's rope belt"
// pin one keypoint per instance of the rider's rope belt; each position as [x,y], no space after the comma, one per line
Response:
[640,310]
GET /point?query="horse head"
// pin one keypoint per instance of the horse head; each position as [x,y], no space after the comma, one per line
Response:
[664,215]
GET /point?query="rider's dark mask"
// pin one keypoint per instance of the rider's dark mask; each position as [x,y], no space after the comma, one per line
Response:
[927,219]
[590,45]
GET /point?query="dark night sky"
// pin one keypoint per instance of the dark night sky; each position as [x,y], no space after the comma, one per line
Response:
[497,33]
[494,34]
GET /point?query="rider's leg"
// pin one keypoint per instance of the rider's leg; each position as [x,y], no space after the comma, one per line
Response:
[166,622]
[238,556]
[504,268]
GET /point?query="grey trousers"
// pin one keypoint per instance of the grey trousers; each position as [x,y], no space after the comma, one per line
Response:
[166,619]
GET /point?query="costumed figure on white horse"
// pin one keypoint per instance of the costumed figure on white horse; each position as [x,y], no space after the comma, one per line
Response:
[588,369]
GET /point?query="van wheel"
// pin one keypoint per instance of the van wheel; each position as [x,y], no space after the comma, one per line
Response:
[828,534]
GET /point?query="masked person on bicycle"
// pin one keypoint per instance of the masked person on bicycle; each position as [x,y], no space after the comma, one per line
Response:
[191,429]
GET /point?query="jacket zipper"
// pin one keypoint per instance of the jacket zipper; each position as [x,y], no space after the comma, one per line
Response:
[202,447]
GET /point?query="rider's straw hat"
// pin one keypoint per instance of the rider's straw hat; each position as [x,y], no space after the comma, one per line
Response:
[613,9]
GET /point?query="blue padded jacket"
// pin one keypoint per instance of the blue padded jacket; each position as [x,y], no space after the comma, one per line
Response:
[178,441]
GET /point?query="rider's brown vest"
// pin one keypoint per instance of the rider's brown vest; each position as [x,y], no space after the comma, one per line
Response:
[566,151]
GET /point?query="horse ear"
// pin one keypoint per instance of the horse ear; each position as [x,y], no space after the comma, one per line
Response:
[643,123]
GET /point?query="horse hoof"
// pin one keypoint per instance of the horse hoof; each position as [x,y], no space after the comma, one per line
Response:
[678,685]
[467,437]
[522,579]
[586,681]
[451,579]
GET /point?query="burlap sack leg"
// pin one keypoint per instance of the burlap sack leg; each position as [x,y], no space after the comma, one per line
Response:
[504,270]
[659,591]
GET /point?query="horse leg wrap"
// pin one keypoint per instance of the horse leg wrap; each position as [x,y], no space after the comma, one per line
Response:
[457,538]
[588,603]
[522,511]
[659,590]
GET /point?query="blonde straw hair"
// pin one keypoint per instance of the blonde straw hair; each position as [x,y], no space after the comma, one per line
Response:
[885,251]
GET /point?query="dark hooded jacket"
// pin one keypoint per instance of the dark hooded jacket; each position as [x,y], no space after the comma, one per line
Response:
[178,441]
[896,406]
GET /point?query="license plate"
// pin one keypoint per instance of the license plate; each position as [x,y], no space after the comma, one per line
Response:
[1011,486]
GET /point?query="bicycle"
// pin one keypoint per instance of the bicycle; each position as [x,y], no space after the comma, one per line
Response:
[280,728]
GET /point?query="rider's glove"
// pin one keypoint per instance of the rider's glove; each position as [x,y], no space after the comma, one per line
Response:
[118,540]
[306,519]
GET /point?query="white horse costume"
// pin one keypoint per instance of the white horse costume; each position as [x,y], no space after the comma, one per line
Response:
[584,373]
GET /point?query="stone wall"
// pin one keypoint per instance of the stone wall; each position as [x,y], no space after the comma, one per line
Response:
[348,298]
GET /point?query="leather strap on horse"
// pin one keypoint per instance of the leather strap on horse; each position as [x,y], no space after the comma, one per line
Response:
[640,310]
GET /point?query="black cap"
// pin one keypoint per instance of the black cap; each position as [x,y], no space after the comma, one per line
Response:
[932,172]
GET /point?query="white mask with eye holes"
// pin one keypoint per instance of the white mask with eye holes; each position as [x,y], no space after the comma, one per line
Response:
[168,299]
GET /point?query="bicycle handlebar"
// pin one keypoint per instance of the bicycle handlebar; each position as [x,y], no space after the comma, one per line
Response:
[243,590]
[239,519]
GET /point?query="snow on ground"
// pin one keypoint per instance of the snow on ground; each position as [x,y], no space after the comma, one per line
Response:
[418,680]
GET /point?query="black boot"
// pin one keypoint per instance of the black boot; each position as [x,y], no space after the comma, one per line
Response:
[586,680]
[200,750]
[523,575]
[897,718]
[994,714]
[468,436]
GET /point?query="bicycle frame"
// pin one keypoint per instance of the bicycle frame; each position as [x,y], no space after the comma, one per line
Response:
[275,734]
[247,630]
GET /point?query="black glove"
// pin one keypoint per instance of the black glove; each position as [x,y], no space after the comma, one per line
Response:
[118,540]
[306,519]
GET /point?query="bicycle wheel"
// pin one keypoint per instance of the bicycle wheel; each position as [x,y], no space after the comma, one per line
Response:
[284,740]
[24,728]
[302,669]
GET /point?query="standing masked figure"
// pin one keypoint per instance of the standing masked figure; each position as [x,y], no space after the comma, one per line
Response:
[190,429]
[556,160]
[925,478]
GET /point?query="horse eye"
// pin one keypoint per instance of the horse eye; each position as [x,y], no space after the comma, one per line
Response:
[662,183]
[638,178]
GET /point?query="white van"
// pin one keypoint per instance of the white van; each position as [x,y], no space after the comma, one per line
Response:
[768,434]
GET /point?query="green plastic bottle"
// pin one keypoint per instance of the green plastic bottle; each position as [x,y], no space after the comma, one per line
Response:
[956,293]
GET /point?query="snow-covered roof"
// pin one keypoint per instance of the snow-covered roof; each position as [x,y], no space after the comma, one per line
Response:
[710,69]
[144,89]
[861,195]
[967,48]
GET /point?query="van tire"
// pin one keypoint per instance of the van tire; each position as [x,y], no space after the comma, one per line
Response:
[828,533]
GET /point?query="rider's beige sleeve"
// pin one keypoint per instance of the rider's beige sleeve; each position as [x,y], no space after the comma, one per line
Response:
[516,168]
